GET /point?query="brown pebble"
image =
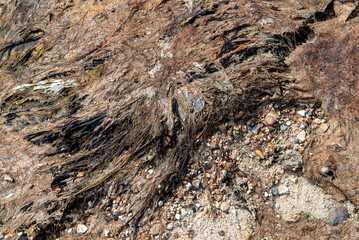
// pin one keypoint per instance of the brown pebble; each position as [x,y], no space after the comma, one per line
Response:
[271,148]
[175,235]
[58,190]
[260,154]
[270,118]
[80,174]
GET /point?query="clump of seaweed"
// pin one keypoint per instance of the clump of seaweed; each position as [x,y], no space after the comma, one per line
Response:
[152,79]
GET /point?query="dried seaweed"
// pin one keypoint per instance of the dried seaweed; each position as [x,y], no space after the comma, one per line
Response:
[151,79]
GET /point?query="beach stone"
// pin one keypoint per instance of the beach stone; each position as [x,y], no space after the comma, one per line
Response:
[155,230]
[338,215]
[301,136]
[225,206]
[196,183]
[81,228]
[270,118]
[302,113]
[169,226]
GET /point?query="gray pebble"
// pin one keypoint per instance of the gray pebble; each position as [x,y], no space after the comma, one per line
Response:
[196,183]
[338,215]
[221,233]
[275,191]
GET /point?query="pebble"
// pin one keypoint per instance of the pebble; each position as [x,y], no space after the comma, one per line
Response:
[338,215]
[255,130]
[270,118]
[260,154]
[271,148]
[155,230]
[178,216]
[183,212]
[302,113]
[221,233]
[80,174]
[1,236]
[225,206]
[196,183]
[324,170]
[151,171]
[275,191]
[81,228]
[7,178]
[288,123]
[301,136]
[283,127]
[169,226]
[106,233]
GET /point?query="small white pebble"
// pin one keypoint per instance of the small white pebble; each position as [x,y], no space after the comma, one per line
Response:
[81,228]
[302,113]
[169,226]
[151,171]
